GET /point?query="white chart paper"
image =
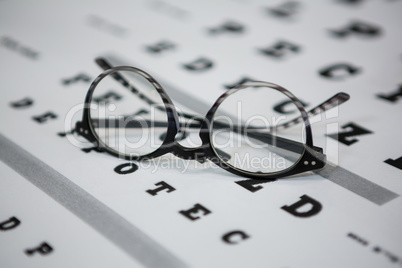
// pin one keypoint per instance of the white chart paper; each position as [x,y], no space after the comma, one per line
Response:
[64,204]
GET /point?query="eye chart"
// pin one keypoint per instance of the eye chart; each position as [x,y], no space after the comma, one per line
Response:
[65,204]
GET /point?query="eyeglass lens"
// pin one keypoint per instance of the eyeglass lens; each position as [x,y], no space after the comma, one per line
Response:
[127,114]
[249,126]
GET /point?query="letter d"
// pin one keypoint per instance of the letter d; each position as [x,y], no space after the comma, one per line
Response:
[304,200]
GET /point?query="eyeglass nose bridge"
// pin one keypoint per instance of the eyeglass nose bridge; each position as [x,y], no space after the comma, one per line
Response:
[200,153]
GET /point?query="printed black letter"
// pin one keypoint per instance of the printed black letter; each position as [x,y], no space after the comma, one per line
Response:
[355,131]
[304,200]
[90,149]
[249,184]
[107,97]
[200,64]
[22,103]
[280,107]
[235,237]
[393,97]
[78,77]
[360,28]
[163,185]
[280,49]
[396,163]
[9,224]
[42,249]
[285,10]
[241,81]
[195,209]
[126,168]
[339,71]
[43,118]
[160,46]
[229,26]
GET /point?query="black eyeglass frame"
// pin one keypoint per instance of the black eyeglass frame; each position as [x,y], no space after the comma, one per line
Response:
[312,157]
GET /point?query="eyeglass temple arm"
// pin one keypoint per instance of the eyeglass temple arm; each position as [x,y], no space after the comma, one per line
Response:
[286,144]
[130,122]
[332,102]
[105,65]
[265,137]
[268,138]
[118,77]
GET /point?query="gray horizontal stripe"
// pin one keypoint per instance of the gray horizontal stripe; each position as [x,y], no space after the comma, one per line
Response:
[357,184]
[107,222]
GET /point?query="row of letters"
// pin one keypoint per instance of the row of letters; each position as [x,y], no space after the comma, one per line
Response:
[43,248]
[347,137]
[194,213]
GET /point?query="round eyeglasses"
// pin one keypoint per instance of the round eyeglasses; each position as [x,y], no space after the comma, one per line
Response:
[128,114]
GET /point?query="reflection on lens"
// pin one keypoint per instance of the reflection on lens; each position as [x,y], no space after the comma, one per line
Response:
[251,127]
[127,113]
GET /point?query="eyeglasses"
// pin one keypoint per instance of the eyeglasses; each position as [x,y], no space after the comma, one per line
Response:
[256,129]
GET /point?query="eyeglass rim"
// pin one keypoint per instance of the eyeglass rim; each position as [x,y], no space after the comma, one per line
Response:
[308,146]
[171,113]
